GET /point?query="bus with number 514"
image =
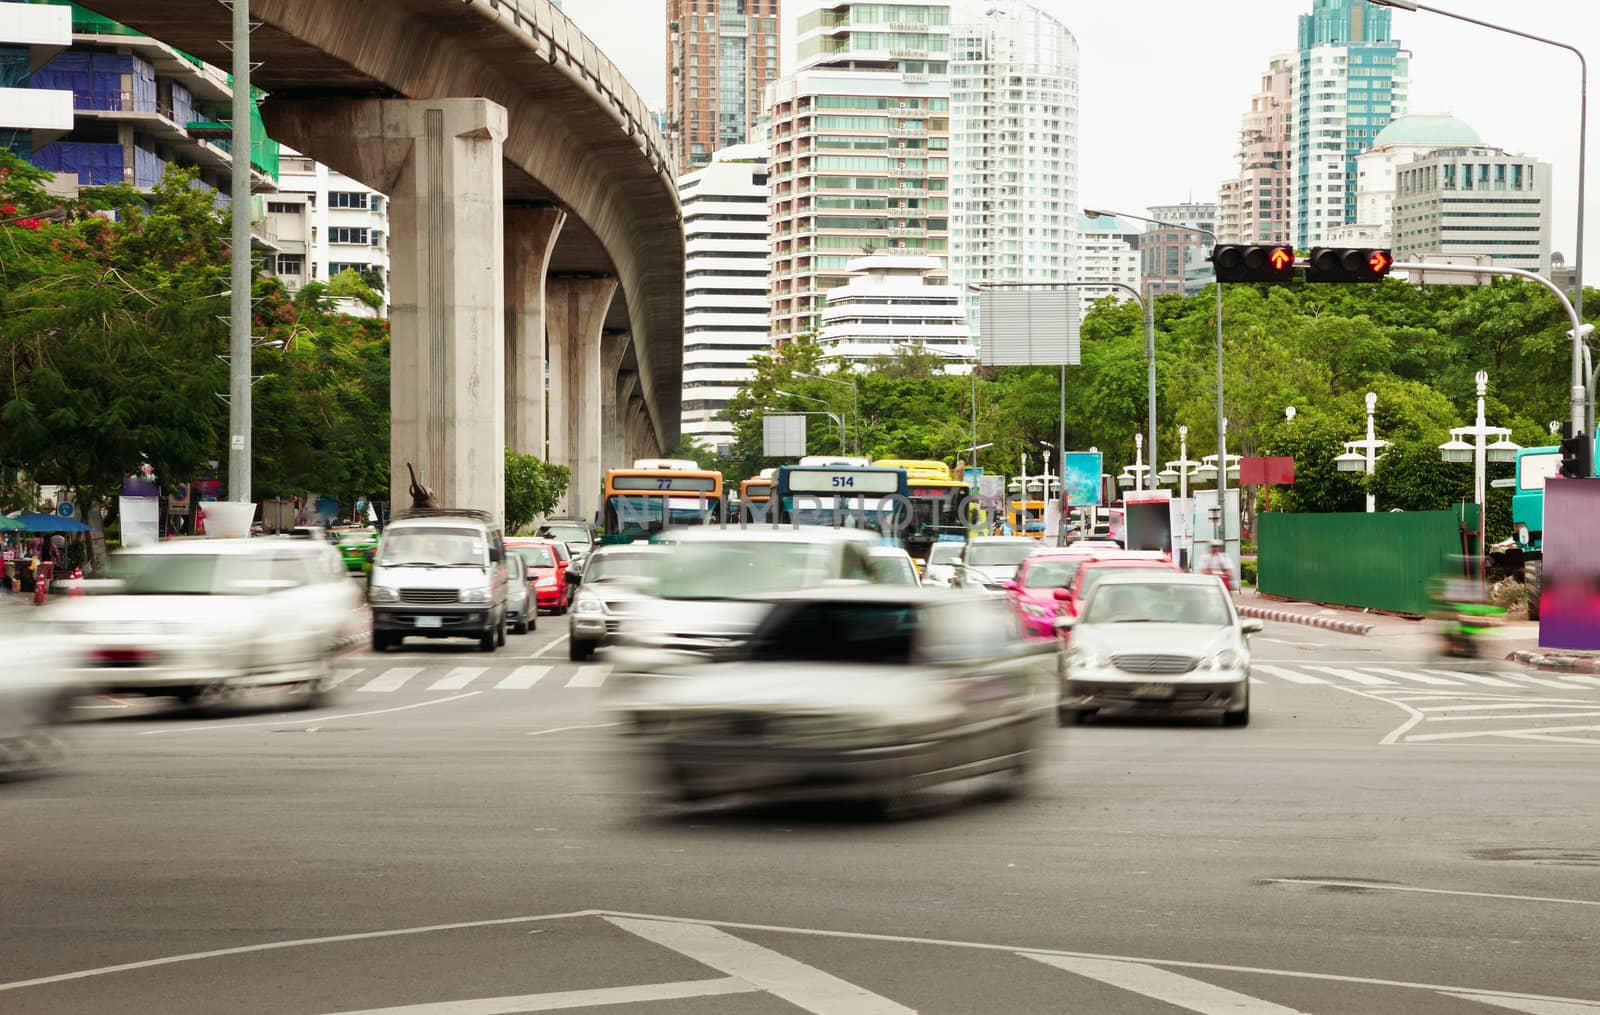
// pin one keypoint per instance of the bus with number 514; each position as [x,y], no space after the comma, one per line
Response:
[844,495]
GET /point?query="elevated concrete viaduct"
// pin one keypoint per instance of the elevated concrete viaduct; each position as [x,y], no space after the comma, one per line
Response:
[534,222]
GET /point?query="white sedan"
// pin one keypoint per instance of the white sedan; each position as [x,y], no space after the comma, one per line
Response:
[191,619]
[34,699]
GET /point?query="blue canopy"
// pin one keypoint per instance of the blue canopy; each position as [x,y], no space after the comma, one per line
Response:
[32,522]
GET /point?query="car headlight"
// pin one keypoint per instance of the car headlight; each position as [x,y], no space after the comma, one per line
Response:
[545,583]
[478,595]
[1034,610]
[1082,660]
[1227,659]
[383,594]
[589,605]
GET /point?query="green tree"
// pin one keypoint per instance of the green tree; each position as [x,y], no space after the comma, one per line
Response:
[351,284]
[533,488]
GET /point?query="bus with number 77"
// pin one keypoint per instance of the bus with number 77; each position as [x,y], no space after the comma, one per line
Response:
[658,494]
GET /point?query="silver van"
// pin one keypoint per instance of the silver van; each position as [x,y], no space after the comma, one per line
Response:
[439,573]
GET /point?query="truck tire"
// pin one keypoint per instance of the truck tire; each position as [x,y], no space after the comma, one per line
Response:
[1533,582]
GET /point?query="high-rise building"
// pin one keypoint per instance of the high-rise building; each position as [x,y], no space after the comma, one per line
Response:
[725,286]
[30,115]
[326,223]
[1014,148]
[1107,252]
[1474,200]
[1406,139]
[1350,79]
[1173,257]
[1254,206]
[896,302]
[721,54]
[860,149]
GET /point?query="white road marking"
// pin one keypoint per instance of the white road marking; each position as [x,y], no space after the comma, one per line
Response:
[522,678]
[589,676]
[457,678]
[1500,706]
[297,722]
[1165,986]
[338,678]
[1293,676]
[1432,891]
[567,999]
[1352,675]
[1480,678]
[803,986]
[1547,682]
[1519,715]
[391,679]
[1534,733]
[547,648]
[565,729]
[1532,1006]
[1419,677]
[1286,641]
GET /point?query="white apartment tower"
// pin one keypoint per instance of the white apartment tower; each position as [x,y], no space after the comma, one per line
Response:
[725,286]
[895,302]
[327,223]
[860,138]
[1108,255]
[1014,148]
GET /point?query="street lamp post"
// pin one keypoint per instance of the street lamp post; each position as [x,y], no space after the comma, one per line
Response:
[855,407]
[1138,461]
[837,419]
[1362,456]
[1480,452]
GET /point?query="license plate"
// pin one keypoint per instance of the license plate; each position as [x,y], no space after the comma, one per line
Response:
[430,621]
[1154,691]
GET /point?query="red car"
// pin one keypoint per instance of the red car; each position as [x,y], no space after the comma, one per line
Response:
[1033,593]
[547,561]
[1090,571]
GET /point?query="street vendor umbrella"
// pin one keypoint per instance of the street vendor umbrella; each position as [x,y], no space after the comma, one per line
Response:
[10,525]
[32,522]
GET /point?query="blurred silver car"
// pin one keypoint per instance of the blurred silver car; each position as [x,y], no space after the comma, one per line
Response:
[1154,640]
[34,698]
[847,693]
[988,562]
[192,618]
[522,611]
[614,582]
[893,566]
[941,565]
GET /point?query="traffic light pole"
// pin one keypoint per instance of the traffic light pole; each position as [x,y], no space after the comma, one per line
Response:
[1579,391]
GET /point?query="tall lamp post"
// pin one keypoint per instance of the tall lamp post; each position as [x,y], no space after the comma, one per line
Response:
[1362,456]
[1480,452]
[855,407]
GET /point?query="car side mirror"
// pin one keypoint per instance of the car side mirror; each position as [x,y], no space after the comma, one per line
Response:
[496,555]
[1012,586]
[1251,626]
[1062,595]
[1063,624]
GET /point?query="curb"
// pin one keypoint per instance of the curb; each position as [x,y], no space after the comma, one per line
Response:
[1555,663]
[1290,617]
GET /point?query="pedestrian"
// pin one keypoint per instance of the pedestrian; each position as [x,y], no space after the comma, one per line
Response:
[1217,562]
[58,549]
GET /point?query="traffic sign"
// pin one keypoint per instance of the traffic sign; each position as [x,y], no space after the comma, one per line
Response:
[66,510]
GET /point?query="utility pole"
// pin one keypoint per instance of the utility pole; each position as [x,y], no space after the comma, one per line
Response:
[239,366]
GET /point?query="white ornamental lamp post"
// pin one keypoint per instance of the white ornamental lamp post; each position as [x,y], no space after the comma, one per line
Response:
[1362,456]
[1480,452]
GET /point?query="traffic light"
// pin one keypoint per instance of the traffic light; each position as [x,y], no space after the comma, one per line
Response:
[1348,264]
[1577,455]
[1237,263]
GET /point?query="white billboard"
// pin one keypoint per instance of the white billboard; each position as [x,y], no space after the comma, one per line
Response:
[783,435]
[1028,327]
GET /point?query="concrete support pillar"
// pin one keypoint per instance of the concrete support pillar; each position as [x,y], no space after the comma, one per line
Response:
[575,313]
[617,449]
[636,423]
[531,234]
[613,349]
[439,160]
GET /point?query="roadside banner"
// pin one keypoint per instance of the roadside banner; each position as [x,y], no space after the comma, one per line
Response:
[1081,479]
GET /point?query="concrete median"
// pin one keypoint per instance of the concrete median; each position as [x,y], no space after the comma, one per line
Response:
[1310,620]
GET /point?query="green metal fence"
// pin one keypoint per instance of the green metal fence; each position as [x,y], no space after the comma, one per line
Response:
[1382,561]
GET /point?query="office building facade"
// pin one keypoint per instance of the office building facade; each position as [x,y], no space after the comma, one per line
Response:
[721,56]
[1475,201]
[326,223]
[1174,258]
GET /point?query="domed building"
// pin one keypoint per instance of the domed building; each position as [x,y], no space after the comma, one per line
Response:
[1404,140]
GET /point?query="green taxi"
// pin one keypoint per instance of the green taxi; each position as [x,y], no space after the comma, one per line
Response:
[356,546]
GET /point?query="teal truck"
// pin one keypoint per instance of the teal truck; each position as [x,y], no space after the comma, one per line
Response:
[1534,466]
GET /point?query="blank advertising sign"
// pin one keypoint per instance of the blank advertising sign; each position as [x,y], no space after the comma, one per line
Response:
[1082,478]
[783,436]
[1569,609]
[1028,327]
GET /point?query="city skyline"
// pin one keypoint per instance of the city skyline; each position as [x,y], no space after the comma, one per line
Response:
[1127,161]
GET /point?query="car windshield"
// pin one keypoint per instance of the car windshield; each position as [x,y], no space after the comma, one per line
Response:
[1050,574]
[432,547]
[837,633]
[892,569]
[609,566]
[1157,603]
[944,553]
[998,554]
[186,574]
[569,534]
[537,556]
[707,569]
[346,538]
[1094,574]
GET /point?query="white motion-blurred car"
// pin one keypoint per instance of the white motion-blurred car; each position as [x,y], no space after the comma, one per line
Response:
[34,698]
[193,618]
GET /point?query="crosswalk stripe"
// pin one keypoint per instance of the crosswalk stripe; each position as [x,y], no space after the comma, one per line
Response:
[457,678]
[1530,1005]
[589,676]
[1421,678]
[1353,676]
[522,678]
[340,677]
[1164,985]
[1548,682]
[1481,678]
[391,679]
[1292,676]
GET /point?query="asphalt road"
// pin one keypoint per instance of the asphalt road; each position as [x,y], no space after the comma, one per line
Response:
[455,836]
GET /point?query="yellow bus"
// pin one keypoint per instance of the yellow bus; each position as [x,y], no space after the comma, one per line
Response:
[658,494]
[755,494]
[936,498]
[1025,503]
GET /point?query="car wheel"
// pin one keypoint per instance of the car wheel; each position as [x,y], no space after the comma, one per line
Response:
[1074,716]
[487,643]
[522,625]
[533,616]
[578,651]
[1239,718]
[500,631]
[383,641]
[319,688]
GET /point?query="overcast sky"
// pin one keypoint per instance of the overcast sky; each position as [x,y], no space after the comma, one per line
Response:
[1164,82]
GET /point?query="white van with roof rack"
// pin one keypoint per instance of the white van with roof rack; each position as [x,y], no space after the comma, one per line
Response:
[439,573]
